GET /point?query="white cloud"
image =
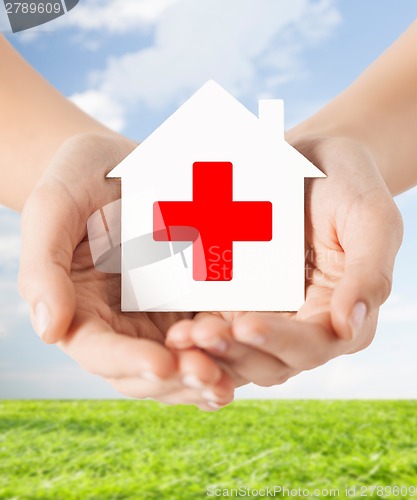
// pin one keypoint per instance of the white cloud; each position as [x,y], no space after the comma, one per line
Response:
[116,16]
[9,240]
[12,307]
[398,311]
[102,107]
[249,46]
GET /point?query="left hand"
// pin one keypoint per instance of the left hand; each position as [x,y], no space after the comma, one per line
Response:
[353,233]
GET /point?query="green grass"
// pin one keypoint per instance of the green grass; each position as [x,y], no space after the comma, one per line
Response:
[139,450]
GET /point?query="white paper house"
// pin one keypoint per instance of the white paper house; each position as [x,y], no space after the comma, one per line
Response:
[213,130]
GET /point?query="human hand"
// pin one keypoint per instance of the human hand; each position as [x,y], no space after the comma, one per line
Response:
[79,307]
[353,233]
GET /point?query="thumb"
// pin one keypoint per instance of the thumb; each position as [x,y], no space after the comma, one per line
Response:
[371,238]
[49,230]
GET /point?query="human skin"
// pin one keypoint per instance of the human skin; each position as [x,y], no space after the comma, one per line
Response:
[35,120]
[270,348]
[53,166]
[365,141]
[353,232]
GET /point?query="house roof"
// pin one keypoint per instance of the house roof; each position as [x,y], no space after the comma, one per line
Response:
[213,106]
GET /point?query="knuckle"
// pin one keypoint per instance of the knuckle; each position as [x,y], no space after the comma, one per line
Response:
[255,324]
[384,284]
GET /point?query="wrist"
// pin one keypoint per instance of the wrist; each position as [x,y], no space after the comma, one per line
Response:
[323,126]
[309,134]
[115,146]
[86,146]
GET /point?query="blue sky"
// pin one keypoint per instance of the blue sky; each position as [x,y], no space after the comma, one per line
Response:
[131,63]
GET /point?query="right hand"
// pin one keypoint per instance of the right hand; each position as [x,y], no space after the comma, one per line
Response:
[353,233]
[79,307]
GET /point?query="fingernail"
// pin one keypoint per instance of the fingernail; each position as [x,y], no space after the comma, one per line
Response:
[214,405]
[220,346]
[151,377]
[42,319]
[357,318]
[192,381]
[209,395]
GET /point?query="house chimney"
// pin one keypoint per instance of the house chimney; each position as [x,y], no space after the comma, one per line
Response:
[271,115]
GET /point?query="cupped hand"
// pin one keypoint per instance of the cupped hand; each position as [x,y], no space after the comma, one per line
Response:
[353,233]
[77,306]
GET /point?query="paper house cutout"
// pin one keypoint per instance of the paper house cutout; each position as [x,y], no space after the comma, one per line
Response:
[220,192]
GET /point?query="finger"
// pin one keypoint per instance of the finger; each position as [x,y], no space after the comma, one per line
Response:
[197,369]
[172,391]
[219,395]
[210,329]
[301,345]
[209,399]
[179,335]
[139,388]
[213,334]
[54,222]
[189,398]
[371,238]
[101,351]
[48,239]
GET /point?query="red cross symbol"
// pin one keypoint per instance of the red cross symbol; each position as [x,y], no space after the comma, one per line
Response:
[215,218]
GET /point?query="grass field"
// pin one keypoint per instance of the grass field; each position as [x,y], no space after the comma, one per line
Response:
[142,450]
